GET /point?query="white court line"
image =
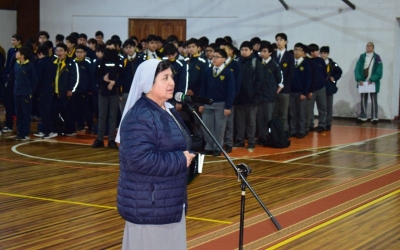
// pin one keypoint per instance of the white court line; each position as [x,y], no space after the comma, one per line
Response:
[15,150]
[336,148]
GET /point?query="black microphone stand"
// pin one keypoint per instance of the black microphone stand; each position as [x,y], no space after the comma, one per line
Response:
[242,171]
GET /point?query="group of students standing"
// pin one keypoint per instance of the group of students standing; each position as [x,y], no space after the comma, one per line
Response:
[83,82]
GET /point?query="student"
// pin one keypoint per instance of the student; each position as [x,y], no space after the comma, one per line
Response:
[100,49]
[71,42]
[45,91]
[108,96]
[286,64]
[209,53]
[299,90]
[246,106]
[369,69]
[233,66]
[66,78]
[319,94]
[99,37]
[334,74]
[151,52]
[255,41]
[179,70]
[269,86]
[219,85]
[130,65]
[26,80]
[42,37]
[92,44]
[8,98]
[83,88]
[59,39]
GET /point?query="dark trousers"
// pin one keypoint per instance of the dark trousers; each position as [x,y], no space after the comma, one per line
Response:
[297,114]
[246,122]
[9,105]
[23,110]
[64,107]
[82,103]
[264,115]
[45,104]
[108,106]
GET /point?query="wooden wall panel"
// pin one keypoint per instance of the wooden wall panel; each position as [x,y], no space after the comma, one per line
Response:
[28,17]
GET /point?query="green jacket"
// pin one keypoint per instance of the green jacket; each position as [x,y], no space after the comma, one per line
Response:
[376,73]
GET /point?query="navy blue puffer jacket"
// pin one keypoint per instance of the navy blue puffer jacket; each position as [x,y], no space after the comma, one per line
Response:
[152,181]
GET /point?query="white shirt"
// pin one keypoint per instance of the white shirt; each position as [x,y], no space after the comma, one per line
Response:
[368,58]
[298,61]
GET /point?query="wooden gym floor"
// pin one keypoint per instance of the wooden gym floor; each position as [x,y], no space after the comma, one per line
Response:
[335,190]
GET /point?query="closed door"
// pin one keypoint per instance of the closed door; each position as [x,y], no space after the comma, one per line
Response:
[141,28]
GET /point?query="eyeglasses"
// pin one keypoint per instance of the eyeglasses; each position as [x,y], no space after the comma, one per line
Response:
[215,57]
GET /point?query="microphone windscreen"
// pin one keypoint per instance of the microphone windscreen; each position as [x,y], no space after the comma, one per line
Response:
[178,96]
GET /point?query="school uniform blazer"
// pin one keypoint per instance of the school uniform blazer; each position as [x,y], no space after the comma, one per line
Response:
[287,66]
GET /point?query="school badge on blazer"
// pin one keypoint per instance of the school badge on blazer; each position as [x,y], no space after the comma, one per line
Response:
[222,78]
[284,65]
[301,68]
[197,67]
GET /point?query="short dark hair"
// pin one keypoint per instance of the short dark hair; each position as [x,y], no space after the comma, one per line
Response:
[43,49]
[62,45]
[246,44]
[101,48]
[219,41]
[129,42]
[302,46]
[111,42]
[99,33]
[266,45]
[204,41]
[80,46]
[43,33]
[25,51]
[92,40]
[74,34]
[221,52]
[212,45]
[324,49]
[163,65]
[229,45]
[17,37]
[115,37]
[193,41]
[134,38]
[228,39]
[71,39]
[255,40]
[151,37]
[49,44]
[313,47]
[281,35]
[59,37]
[172,39]
[170,49]
[82,35]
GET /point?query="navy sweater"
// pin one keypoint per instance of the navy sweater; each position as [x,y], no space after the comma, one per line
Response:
[197,71]
[46,73]
[302,78]
[26,78]
[320,72]
[127,73]
[234,66]
[220,88]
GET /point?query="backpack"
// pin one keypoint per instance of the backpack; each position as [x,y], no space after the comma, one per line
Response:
[277,137]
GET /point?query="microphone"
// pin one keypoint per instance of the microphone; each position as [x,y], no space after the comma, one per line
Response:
[180,97]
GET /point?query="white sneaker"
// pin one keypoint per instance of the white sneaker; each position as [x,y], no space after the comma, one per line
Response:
[23,138]
[6,130]
[40,134]
[71,135]
[49,136]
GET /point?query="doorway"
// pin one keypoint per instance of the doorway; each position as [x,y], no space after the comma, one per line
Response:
[141,28]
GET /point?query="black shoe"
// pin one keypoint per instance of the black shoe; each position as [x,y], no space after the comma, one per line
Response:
[310,128]
[98,144]
[228,149]
[207,152]
[292,135]
[238,144]
[112,144]
[260,141]
[374,121]
[217,153]
[251,146]
[300,136]
[328,128]
[319,129]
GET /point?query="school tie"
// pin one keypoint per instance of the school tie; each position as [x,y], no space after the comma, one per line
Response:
[295,63]
[154,56]
[279,57]
[215,71]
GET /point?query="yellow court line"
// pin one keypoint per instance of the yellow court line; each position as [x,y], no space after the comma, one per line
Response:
[98,206]
[280,244]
